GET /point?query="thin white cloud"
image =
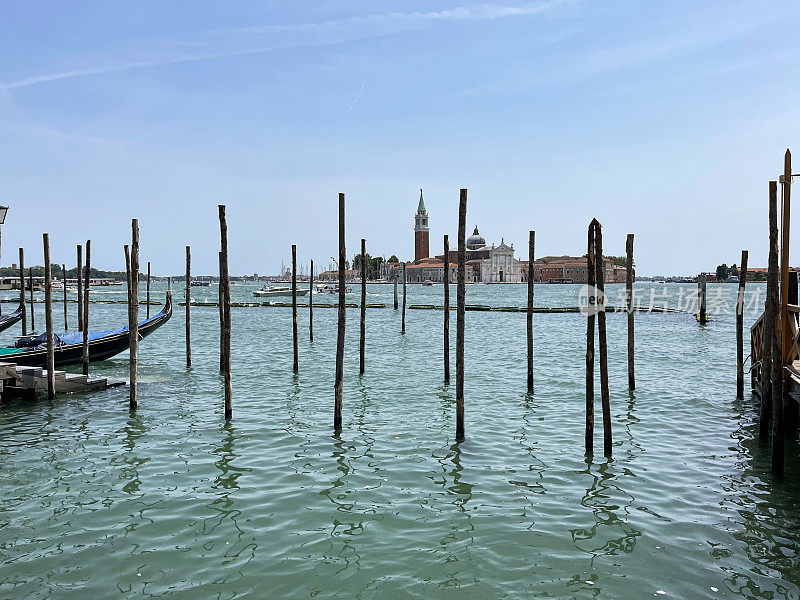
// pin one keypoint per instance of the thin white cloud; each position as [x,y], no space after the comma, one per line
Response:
[116,68]
[459,13]
[357,98]
[326,32]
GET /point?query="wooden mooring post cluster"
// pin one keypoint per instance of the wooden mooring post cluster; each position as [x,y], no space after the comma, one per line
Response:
[775,336]
[596,320]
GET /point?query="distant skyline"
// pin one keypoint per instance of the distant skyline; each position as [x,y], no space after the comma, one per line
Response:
[665,120]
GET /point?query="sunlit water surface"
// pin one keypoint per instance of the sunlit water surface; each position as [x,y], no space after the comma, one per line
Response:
[96,502]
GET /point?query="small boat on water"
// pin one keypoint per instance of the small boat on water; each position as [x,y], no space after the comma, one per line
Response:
[31,350]
[273,291]
[198,283]
[427,282]
[8,320]
[325,288]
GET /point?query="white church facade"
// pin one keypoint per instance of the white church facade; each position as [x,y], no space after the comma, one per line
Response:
[501,266]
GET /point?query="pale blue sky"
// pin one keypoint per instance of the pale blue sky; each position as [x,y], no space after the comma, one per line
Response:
[665,119]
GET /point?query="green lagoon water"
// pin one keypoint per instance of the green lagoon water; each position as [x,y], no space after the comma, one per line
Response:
[96,502]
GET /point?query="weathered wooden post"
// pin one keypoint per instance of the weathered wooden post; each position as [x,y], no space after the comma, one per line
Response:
[460,301]
[403,320]
[446,309]
[64,286]
[133,307]
[395,292]
[769,315]
[702,316]
[296,361]
[740,327]
[188,306]
[772,323]
[48,319]
[363,337]
[80,287]
[531,249]
[221,306]
[22,292]
[629,307]
[781,351]
[590,318]
[148,289]
[30,287]
[226,311]
[311,304]
[86,282]
[601,338]
[786,204]
[338,383]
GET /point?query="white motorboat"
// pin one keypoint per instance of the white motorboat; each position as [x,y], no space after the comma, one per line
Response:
[324,288]
[274,291]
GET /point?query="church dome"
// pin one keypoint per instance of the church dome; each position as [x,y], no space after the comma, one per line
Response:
[476,240]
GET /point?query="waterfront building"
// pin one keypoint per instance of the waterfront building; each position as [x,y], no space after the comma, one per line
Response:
[490,264]
[569,269]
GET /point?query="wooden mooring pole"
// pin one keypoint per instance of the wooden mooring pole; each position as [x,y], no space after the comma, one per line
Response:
[590,319]
[80,287]
[22,291]
[363,333]
[221,305]
[770,315]
[134,312]
[776,383]
[460,302]
[148,289]
[395,293]
[86,281]
[311,303]
[702,316]
[225,282]
[403,319]
[64,286]
[601,338]
[531,250]
[30,287]
[786,204]
[740,327]
[48,319]
[295,347]
[188,305]
[338,382]
[446,309]
[629,306]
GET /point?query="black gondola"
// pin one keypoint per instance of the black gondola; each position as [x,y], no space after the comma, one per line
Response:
[31,350]
[8,320]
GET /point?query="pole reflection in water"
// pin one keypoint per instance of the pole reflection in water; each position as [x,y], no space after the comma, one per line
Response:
[766,510]
[610,534]
[225,486]
[457,564]
[529,482]
[129,472]
[341,551]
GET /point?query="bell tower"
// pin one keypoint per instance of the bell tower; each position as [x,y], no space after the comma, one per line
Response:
[421,230]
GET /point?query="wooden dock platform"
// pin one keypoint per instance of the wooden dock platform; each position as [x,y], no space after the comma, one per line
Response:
[29,382]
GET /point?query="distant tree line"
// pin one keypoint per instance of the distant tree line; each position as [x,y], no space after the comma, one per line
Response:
[724,271]
[373,265]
